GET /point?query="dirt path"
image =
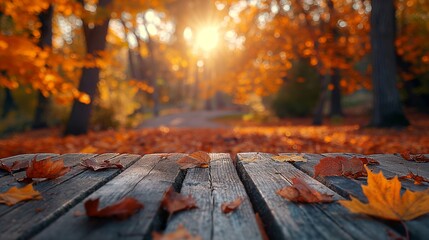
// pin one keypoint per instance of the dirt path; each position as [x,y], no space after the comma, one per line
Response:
[197,119]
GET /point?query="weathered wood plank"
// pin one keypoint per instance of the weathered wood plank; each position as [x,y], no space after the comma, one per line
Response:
[59,195]
[346,187]
[400,166]
[287,220]
[24,158]
[211,187]
[146,180]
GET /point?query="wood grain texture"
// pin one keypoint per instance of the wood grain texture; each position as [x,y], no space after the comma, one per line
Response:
[59,195]
[211,187]
[346,187]
[24,158]
[146,180]
[287,220]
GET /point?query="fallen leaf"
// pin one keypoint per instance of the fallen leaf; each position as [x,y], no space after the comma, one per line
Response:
[93,164]
[385,200]
[290,158]
[367,160]
[15,166]
[420,158]
[173,201]
[15,195]
[340,166]
[122,209]
[249,159]
[181,233]
[228,207]
[418,180]
[196,159]
[301,192]
[46,169]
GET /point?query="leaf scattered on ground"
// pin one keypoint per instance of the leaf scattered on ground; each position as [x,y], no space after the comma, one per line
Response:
[420,158]
[367,160]
[385,200]
[95,165]
[340,166]
[196,159]
[46,169]
[289,158]
[301,192]
[15,166]
[122,209]
[181,233]
[173,201]
[418,180]
[228,207]
[15,195]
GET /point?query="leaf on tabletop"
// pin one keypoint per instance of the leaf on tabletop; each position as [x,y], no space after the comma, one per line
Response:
[46,169]
[122,209]
[15,195]
[420,158]
[340,166]
[228,207]
[301,192]
[418,180]
[15,166]
[290,158]
[367,160]
[95,165]
[181,233]
[173,201]
[385,200]
[196,159]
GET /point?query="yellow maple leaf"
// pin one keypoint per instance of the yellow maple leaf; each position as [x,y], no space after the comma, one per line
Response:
[15,195]
[385,200]
[289,158]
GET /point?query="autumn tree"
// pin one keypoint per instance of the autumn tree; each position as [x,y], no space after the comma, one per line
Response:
[387,104]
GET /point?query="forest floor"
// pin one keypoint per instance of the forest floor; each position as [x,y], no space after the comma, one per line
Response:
[291,135]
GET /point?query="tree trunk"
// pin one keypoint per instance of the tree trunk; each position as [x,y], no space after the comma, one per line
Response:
[318,112]
[95,41]
[42,108]
[387,105]
[8,103]
[336,109]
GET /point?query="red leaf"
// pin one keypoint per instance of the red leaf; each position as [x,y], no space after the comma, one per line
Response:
[414,157]
[417,179]
[175,202]
[228,207]
[340,166]
[46,168]
[367,161]
[197,159]
[93,164]
[122,209]
[17,165]
[301,192]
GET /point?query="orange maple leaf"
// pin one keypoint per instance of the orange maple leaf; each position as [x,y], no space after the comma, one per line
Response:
[196,159]
[46,168]
[228,207]
[122,209]
[173,201]
[15,195]
[385,200]
[303,193]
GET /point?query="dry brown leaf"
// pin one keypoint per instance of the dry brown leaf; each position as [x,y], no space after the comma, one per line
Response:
[420,158]
[228,207]
[173,201]
[15,166]
[196,159]
[301,192]
[385,200]
[46,169]
[418,180]
[289,158]
[367,160]
[93,164]
[15,195]
[340,166]
[122,209]
[181,233]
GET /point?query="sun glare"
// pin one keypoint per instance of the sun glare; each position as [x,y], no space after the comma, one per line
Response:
[207,38]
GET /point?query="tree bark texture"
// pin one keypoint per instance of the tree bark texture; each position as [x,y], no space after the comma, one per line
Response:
[388,110]
[8,103]
[336,109]
[42,108]
[95,39]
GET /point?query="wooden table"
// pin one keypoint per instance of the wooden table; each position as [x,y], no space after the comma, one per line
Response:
[147,178]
